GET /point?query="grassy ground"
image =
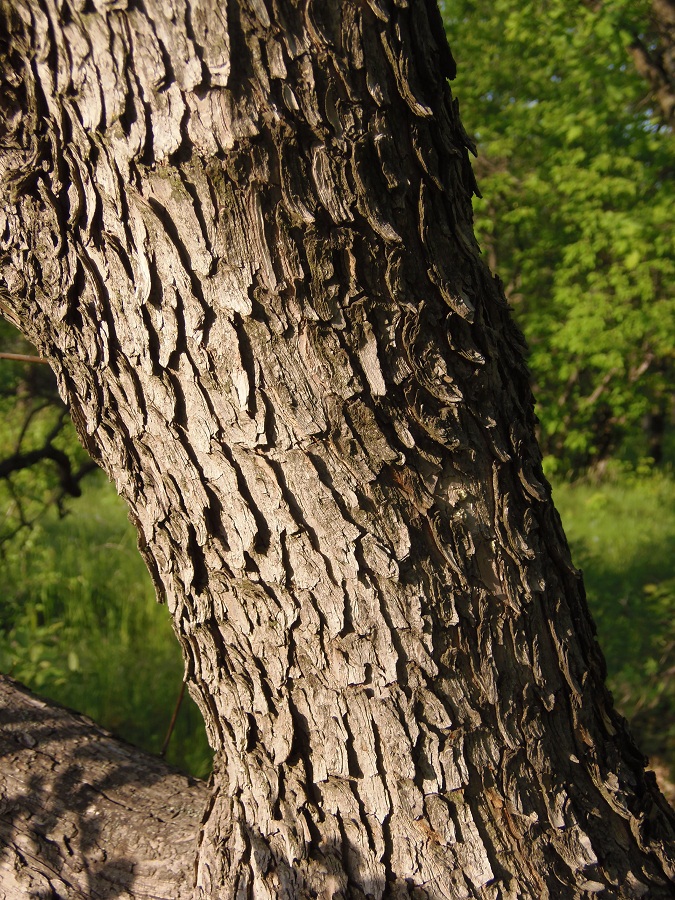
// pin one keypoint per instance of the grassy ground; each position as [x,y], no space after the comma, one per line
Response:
[622,535]
[80,624]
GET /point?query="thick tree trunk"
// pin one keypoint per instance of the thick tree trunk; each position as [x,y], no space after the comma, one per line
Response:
[83,815]
[242,235]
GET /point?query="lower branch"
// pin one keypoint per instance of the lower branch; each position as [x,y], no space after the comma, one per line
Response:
[84,815]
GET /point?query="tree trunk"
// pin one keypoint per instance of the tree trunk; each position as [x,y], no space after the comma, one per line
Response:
[654,57]
[83,815]
[242,235]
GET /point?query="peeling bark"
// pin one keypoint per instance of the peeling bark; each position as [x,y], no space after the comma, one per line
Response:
[242,235]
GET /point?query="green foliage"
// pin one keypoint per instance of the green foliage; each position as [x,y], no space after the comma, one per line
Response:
[576,176]
[622,534]
[576,218]
[80,624]
[33,423]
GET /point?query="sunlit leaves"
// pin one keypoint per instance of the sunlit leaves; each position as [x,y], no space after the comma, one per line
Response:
[576,178]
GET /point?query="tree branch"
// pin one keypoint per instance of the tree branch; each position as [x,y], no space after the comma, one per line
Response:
[23,357]
[19,461]
[84,815]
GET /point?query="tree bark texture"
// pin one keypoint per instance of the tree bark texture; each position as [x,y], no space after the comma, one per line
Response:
[242,234]
[83,815]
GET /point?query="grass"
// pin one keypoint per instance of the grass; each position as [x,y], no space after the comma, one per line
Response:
[622,535]
[80,623]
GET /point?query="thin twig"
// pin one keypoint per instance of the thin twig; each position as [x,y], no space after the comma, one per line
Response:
[23,357]
[172,723]
[35,411]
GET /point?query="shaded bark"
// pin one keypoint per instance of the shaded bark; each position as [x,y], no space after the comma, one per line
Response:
[83,815]
[242,235]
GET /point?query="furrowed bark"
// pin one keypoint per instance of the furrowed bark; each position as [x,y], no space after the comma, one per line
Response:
[242,236]
[83,815]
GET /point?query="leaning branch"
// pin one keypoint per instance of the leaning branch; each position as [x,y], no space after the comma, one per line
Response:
[85,815]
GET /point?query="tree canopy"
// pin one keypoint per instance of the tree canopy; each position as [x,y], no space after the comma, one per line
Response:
[575,167]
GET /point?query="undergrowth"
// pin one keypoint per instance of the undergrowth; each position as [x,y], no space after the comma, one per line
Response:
[79,624]
[622,535]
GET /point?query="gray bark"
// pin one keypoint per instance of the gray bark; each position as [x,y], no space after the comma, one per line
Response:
[242,235]
[83,815]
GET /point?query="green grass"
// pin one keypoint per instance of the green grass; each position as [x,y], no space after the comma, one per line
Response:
[80,623]
[622,535]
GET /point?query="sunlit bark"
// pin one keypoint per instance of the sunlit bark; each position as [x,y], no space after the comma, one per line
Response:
[242,235]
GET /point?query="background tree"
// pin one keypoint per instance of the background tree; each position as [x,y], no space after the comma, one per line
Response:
[576,171]
[41,461]
[327,446]
[652,47]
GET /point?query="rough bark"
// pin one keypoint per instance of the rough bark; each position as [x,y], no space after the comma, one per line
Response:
[83,815]
[242,235]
